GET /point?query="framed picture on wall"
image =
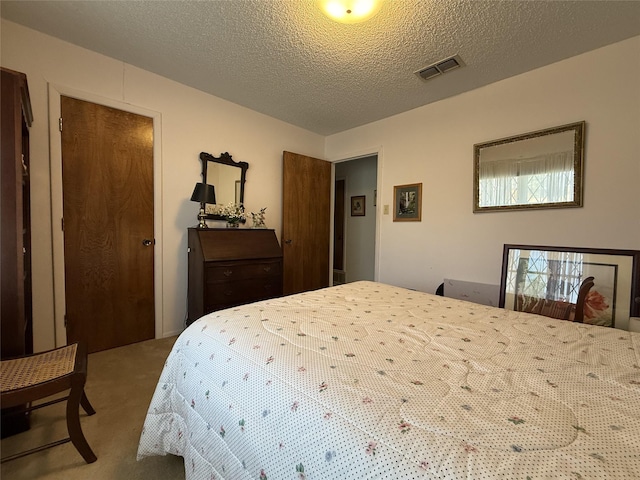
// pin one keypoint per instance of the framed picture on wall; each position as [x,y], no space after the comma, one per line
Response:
[407,203]
[357,206]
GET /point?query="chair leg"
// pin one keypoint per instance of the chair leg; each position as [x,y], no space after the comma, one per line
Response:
[84,401]
[76,396]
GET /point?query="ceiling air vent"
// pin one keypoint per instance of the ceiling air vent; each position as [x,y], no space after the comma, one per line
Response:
[438,68]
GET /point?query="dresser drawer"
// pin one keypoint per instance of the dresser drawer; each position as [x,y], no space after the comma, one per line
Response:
[222,295]
[234,271]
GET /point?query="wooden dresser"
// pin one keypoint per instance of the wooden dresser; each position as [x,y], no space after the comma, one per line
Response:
[16,330]
[231,266]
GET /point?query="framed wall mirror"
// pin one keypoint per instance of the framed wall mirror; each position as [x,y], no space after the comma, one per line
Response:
[227,176]
[541,169]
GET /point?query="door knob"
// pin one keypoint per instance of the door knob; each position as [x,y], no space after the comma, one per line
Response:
[146,242]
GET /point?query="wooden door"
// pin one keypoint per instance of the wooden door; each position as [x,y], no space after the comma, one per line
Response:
[306,218]
[107,180]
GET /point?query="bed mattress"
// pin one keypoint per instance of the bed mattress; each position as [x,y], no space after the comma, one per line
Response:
[372,381]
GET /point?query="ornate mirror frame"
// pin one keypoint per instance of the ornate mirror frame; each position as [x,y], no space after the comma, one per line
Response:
[537,148]
[224,159]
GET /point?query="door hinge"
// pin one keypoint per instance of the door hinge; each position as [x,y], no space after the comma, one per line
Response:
[60,123]
[65,320]
[62,224]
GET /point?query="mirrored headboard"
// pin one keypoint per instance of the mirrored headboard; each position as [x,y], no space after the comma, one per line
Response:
[228,178]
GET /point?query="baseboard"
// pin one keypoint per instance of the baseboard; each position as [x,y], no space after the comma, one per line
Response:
[174,333]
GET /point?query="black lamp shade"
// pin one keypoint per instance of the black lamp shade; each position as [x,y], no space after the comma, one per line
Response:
[204,193]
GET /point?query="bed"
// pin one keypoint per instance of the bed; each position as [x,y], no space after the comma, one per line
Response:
[371,381]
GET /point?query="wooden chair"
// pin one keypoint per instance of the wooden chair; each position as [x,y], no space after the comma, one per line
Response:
[557,308]
[27,379]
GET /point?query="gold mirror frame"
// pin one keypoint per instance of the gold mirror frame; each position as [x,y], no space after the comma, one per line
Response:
[529,145]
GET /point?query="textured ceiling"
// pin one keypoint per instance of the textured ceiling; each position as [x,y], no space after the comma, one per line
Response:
[285,59]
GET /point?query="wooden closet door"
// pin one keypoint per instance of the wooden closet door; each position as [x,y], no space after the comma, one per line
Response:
[107,170]
[306,223]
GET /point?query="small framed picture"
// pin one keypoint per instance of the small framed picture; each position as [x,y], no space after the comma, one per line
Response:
[357,206]
[407,203]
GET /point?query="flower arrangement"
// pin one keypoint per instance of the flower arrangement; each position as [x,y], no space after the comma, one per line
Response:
[258,218]
[233,213]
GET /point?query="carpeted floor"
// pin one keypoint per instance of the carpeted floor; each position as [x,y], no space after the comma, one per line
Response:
[120,385]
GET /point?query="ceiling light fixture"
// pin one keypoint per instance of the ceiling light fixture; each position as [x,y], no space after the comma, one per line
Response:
[350,11]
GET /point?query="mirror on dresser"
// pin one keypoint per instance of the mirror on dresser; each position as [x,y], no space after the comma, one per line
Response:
[228,177]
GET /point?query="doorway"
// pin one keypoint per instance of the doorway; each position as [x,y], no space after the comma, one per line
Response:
[355,229]
[338,232]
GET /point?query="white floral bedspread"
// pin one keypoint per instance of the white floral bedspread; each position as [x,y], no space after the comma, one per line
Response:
[370,381]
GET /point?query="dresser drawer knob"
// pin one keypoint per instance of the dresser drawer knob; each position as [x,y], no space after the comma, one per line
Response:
[228,273]
[267,269]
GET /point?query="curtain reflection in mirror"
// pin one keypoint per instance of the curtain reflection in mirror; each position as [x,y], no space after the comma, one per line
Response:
[546,274]
[542,179]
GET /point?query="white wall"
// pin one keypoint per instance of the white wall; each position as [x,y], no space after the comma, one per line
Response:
[434,145]
[360,179]
[191,122]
